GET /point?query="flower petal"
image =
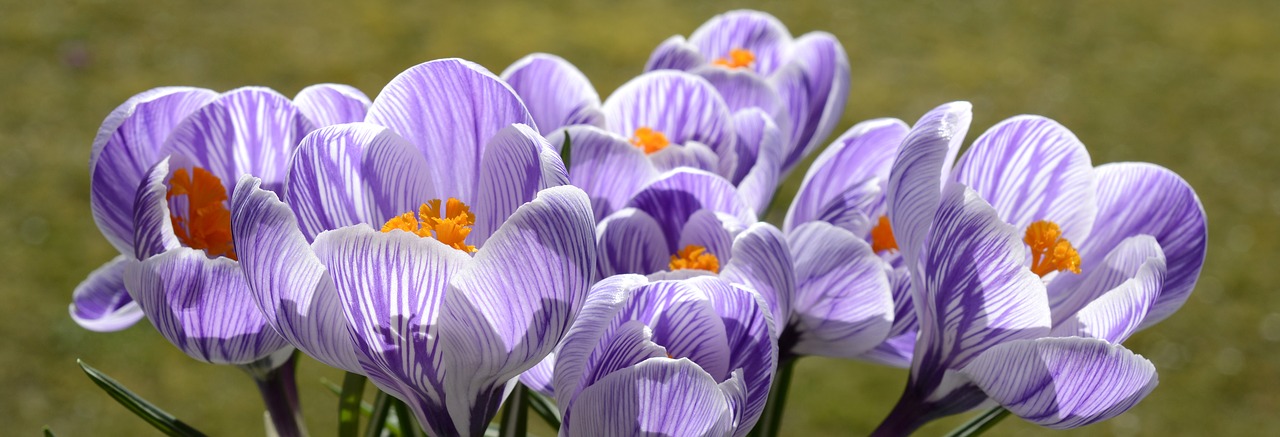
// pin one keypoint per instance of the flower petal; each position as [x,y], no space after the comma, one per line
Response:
[573,359]
[754,352]
[923,162]
[153,227]
[1063,382]
[678,194]
[540,377]
[762,261]
[203,306]
[742,89]
[604,165]
[556,92]
[864,151]
[127,145]
[681,106]
[631,241]
[511,173]
[290,286]
[760,175]
[1115,299]
[674,54]
[1031,168]
[660,396]
[843,304]
[706,229]
[691,155]
[760,33]
[101,303]
[354,173]
[826,82]
[328,104]
[449,108]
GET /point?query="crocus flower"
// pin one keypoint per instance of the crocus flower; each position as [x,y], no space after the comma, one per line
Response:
[440,261]
[654,123]
[753,60]
[666,357]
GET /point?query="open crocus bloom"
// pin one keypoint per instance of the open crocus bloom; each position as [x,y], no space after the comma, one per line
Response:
[136,136]
[442,282]
[654,123]
[753,60]
[669,357]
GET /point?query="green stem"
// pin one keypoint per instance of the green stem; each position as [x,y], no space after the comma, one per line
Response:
[981,423]
[378,420]
[771,420]
[515,415]
[406,419]
[349,404]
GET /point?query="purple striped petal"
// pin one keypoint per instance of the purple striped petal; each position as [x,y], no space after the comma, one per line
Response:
[328,104]
[660,396]
[540,377]
[762,261]
[449,108]
[682,106]
[856,208]
[685,322]
[249,130]
[556,92]
[153,232]
[705,229]
[690,155]
[203,306]
[1063,383]
[864,151]
[631,241]
[826,84]
[1031,168]
[606,166]
[896,351]
[761,173]
[754,353]
[673,198]
[674,54]
[1117,296]
[576,353]
[511,174]
[290,286]
[127,145]
[354,173]
[761,33]
[101,303]
[923,162]
[843,304]
[742,89]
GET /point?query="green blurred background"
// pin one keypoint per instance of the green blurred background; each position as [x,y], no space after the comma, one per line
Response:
[1193,86]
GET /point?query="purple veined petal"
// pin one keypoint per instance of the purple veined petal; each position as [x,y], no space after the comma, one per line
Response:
[250,130]
[153,227]
[201,305]
[761,173]
[688,155]
[511,173]
[540,377]
[354,173]
[554,173]
[791,82]
[127,145]
[904,313]
[762,261]
[1031,168]
[972,290]
[289,285]
[678,194]
[826,73]
[923,162]
[681,106]
[674,54]
[742,89]
[391,287]
[449,108]
[684,321]
[555,91]
[864,151]
[1116,297]
[843,303]
[602,305]
[510,307]
[1141,198]
[660,396]
[895,351]
[856,208]
[760,33]
[626,345]
[754,353]
[1063,383]
[328,104]
[708,230]
[606,166]
[631,241]
[101,303]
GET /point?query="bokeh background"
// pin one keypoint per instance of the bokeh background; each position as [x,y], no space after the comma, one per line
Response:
[1193,86]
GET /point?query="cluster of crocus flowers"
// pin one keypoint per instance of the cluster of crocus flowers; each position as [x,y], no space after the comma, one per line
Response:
[433,240]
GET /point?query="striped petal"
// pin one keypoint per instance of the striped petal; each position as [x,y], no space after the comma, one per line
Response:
[511,173]
[762,261]
[760,33]
[605,165]
[673,198]
[844,304]
[690,155]
[923,162]
[1117,296]
[826,84]
[761,174]
[203,306]
[1063,383]
[328,104]
[153,233]
[354,173]
[101,303]
[660,396]
[574,359]
[449,108]
[674,54]
[754,352]
[681,106]
[708,230]
[743,89]
[631,241]
[556,92]
[540,377]
[864,151]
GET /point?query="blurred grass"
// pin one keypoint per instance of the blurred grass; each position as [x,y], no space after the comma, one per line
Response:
[1193,86]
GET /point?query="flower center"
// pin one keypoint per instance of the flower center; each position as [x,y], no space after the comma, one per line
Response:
[695,257]
[207,222]
[738,58]
[882,236]
[650,140]
[452,228]
[1049,251]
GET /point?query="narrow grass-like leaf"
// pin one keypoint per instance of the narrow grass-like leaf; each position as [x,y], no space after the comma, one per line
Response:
[48,432]
[406,420]
[378,419]
[349,402]
[150,413]
[565,152]
[980,424]
[545,408]
[515,414]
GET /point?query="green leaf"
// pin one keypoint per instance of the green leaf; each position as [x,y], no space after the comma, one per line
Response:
[515,414]
[566,151]
[158,418]
[404,418]
[48,432]
[350,399]
[378,419]
[544,407]
[981,423]
[365,407]
[771,419]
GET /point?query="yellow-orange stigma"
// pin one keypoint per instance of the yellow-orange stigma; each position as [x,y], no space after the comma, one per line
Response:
[1049,251]
[882,236]
[651,141]
[695,257]
[207,223]
[451,229]
[738,58]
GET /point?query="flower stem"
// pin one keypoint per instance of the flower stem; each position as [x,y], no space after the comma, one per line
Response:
[279,389]
[981,423]
[515,415]
[771,420]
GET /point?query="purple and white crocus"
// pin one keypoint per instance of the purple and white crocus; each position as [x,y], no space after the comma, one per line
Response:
[991,325]
[668,357]
[754,61]
[446,307]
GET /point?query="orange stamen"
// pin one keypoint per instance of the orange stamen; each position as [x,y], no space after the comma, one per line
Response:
[207,223]
[451,229]
[650,140]
[882,236]
[695,257]
[738,58]
[1049,251]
